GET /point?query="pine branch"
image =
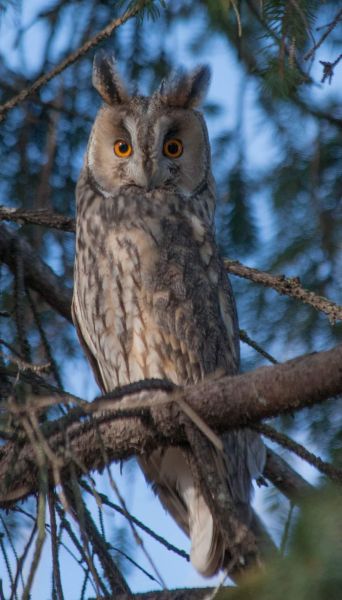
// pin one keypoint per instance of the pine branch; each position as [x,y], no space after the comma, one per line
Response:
[288,286]
[327,469]
[113,575]
[327,32]
[72,58]
[138,523]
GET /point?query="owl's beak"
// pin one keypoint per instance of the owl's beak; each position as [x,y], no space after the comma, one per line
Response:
[148,178]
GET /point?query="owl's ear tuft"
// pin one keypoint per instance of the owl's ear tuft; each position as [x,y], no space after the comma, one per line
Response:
[107,81]
[185,90]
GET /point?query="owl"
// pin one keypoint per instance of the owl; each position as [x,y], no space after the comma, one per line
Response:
[151,297]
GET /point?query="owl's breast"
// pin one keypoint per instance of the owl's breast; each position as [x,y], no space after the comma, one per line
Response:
[113,305]
[150,301]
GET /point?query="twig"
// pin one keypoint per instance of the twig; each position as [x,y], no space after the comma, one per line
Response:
[22,364]
[73,538]
[136,521]
[244,337]
[19,305]
[133,562]
[328,69]
[39,544]
[139,541]
[10,540]
[69,60]
[285,535]
[281,42]
[7,563]
[37,274]
[54,547]
[48,352]
[23,557]
[329,29]
[90,533]
[288,286]
[327,469]
[285,478]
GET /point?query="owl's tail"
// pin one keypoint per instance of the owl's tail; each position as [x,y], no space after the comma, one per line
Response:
[207,550]
[173,482]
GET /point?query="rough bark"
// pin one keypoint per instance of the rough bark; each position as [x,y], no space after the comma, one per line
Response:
[139,423]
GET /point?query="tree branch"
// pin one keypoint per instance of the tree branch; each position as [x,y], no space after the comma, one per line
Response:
[139,423]
[288,286]
[180,594]
[329,29]
[334,473]
[72,58]
[37,274]
[43,217]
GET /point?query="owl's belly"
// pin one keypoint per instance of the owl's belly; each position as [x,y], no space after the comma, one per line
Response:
[133,346]
[115,306]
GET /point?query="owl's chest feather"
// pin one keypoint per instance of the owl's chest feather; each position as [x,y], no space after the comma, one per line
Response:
[124,285]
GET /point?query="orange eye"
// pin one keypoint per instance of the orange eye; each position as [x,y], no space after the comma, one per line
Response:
[122,149]
[173,148]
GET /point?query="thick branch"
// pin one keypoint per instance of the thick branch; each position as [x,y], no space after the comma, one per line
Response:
[37,274]
[139,423]
[288,286]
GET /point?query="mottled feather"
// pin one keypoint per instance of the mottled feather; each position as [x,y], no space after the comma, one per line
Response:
[151,297]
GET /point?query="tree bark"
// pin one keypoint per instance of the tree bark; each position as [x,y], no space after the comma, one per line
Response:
[139,423]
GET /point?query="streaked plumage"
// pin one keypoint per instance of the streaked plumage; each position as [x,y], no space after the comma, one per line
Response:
[151,298]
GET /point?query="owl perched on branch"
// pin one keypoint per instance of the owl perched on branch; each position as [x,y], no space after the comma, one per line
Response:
[151,297]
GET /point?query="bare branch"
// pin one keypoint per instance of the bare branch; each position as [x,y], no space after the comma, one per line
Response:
[288,286]
[99,544]
[327,32]
[244,337]
[136,521]
[37,274]
[37,217]
[72,58]
[327,469]
[286,479]
[147,420]
[328,69]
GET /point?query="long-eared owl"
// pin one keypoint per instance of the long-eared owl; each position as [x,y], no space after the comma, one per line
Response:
[151,297]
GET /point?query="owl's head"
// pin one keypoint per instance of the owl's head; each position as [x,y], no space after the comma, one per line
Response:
[151,142]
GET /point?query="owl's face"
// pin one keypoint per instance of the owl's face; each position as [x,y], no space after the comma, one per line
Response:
[150,143]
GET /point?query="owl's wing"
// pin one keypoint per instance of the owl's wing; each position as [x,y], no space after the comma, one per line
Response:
[86,342]
[244,449]
[197,316]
